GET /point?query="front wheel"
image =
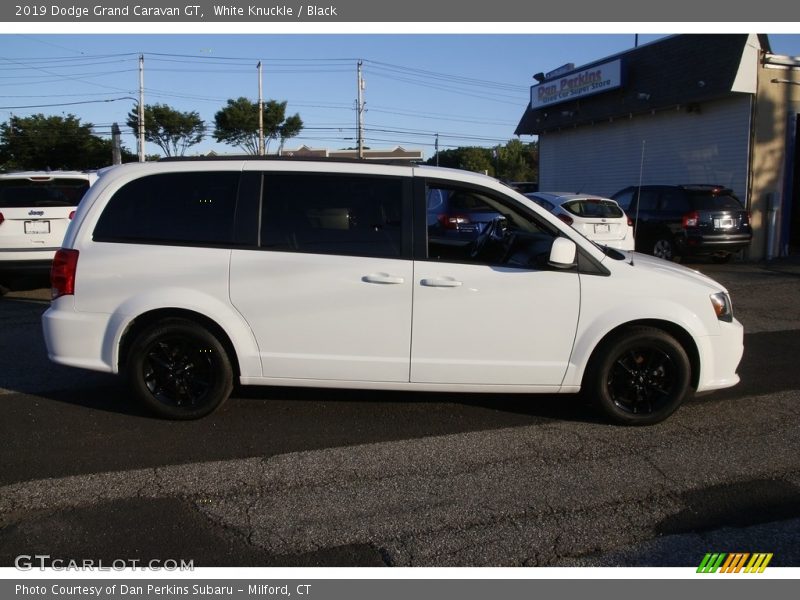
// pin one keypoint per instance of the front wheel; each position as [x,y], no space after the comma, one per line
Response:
[640,376]
[179,370]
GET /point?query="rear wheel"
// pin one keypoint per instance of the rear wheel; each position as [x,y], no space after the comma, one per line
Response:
[663,248]
[179,370]
[640,376]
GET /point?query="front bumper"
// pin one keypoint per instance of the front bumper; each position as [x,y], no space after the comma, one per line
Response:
[720,357]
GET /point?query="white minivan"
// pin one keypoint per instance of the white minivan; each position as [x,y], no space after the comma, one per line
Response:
[188,276]
[35,209]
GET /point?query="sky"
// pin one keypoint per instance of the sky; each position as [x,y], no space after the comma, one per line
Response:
[470,89]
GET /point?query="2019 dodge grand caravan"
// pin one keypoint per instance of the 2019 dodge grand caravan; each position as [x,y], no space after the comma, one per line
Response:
[188,276]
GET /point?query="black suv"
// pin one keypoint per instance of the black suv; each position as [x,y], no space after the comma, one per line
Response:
[686,220]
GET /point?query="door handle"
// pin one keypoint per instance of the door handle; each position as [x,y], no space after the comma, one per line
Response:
[444,282]
[382,278]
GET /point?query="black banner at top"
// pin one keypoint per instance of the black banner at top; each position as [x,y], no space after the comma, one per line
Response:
[454,11]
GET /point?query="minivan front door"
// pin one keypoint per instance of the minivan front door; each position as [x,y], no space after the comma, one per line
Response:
[490,310]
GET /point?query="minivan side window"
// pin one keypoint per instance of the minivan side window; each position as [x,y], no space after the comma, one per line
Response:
[323,213]
[192,208]
[470,225]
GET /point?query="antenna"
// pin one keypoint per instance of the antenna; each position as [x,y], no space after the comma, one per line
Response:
[638,196]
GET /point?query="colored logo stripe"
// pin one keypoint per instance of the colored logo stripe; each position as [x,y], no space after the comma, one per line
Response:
[734,562]
[758,563]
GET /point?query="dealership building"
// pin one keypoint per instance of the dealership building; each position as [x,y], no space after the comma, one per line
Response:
[687,109]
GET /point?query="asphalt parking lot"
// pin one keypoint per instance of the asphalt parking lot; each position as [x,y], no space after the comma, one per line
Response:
[321,477]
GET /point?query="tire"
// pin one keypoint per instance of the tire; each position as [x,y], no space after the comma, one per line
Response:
[640,376]
[179,370]
[663,248]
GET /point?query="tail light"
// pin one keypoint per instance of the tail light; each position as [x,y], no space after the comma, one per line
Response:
[630,222]
[691,219]
[452,221]
[71,215]
[62,273]
[2,218]
[566,218]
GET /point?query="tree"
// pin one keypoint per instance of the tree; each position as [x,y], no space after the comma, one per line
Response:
[515,161]
[41,142]
[468,158]
[171,130]
[518,161]
[237,124]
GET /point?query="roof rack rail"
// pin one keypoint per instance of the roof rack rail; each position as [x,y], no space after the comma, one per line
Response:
[252,157]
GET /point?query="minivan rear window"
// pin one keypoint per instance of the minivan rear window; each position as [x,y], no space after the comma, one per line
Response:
[56,191]
[192,208]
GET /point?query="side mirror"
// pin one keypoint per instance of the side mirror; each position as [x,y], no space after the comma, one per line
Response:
[562,253]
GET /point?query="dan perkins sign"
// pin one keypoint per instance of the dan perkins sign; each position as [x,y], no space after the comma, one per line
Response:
[584,82]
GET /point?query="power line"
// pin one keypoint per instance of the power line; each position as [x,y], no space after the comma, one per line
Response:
[66,103]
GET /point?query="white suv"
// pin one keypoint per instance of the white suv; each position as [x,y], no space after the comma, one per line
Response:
[189,276]
[35,209]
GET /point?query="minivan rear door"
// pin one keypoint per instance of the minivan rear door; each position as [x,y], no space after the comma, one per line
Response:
[327,292]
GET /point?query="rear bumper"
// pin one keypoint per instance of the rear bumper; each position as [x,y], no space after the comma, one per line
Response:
[28,261]
[76,339]
[695,245]
[624,244]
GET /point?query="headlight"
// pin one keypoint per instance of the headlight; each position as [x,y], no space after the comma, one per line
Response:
[722,306]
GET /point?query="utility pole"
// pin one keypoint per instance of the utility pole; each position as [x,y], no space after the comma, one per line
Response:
[261,148]
[360,110]
[116,147]
[141,108]
[436,146]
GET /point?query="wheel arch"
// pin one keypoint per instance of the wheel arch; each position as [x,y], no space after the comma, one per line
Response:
[147,319]
[681,335]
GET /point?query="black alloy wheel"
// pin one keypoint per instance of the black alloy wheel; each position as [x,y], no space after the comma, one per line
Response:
[640,376]
[179,370]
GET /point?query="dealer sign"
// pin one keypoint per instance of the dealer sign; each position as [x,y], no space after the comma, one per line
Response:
[578,84]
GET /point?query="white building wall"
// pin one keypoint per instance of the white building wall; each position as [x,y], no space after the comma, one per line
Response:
[680,147]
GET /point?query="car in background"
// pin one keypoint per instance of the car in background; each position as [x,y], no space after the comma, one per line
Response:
[599,219]
[524,187]
[457,217]
[35,210]
[672,221]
